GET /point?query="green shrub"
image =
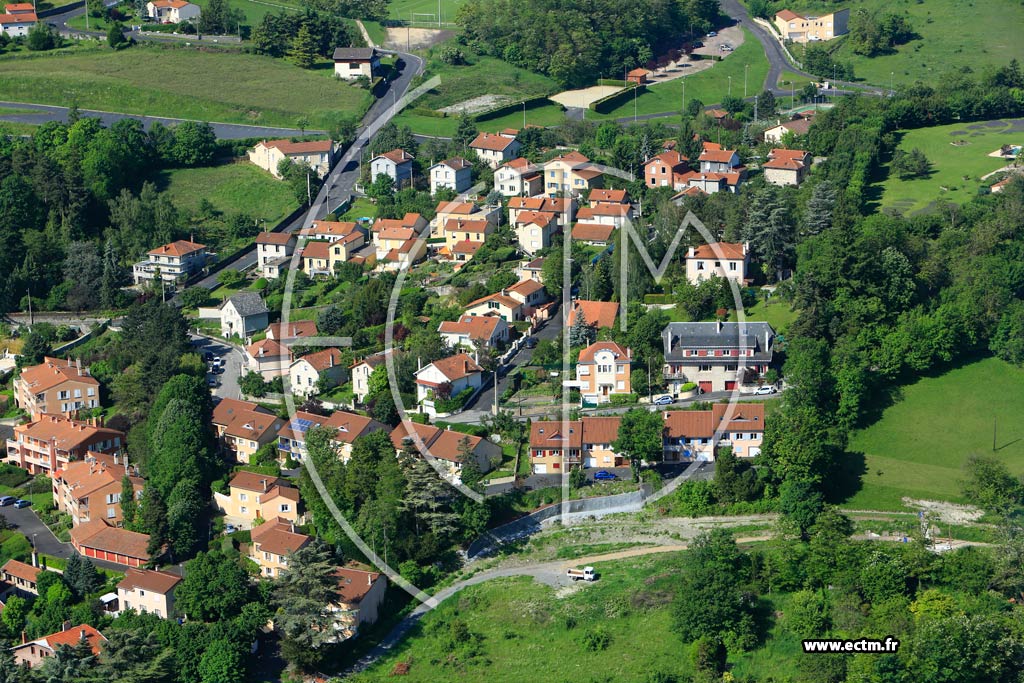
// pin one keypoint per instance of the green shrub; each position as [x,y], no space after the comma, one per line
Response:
[623,399]
[689,386]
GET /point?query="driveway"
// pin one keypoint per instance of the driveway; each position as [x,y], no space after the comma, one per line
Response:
[29,525]
[231,371]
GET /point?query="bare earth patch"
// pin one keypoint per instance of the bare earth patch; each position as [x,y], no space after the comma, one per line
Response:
[416,38]
[950,513]
[582,98]
[477,104]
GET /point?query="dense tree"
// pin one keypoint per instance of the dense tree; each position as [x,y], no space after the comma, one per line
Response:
[912,164]
[81,576]
[222,662]
[875,33]
[186,520]
[465,132]
[640,438]
[194,143]
[215,588]
[304,595]
[303,49]
[818,214]
[582,333]
[134,655]
[989,484]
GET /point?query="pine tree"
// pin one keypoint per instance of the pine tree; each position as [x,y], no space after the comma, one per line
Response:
[581,333]
[427,497]
[471,472]
[818,216]
[303,50]
[129,507]
[466,131]
[81,576]
[304,595]
[113,276]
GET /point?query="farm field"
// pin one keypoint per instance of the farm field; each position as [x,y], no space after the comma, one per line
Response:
[956,168]
[524,627]
[983,36]
[710,86]
[919,445]
[160,81]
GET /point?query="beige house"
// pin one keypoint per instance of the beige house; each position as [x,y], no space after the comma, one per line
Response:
[321,257]
[716,356]
[57,387]
[495,149]
[172,262]
[272,543]
[148,591]
[798,126]
[603,371]
[799,29]
[347,428]
[242,427]
[571,173]
[305,373]
[458,230]
[352,62]
[447,447]
[32,653]
[258,496]
[667,169]
[269,358]
[697,434]
[361,371]
[534,230]
[605,213]
[91,488]
[20,578]
[445,212]
[787,166]
[556,446]
[448,376]
[52,442]
[720,259]
[563,208]
[317,155]
[273,253]
[360,594]
[172,11]
[531,270]
[518,178]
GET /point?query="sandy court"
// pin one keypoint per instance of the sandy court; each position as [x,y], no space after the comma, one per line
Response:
[477,104]
[416,38]
[583,98]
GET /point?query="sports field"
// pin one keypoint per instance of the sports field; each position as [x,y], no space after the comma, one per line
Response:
[918,447]
[959,157]
[404,10]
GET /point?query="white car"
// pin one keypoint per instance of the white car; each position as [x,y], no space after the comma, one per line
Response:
[767,389]
[712,34]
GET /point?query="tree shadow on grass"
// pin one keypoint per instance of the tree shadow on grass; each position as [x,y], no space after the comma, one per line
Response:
[846,477]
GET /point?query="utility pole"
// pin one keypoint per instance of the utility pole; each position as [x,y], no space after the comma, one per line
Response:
[524,114]
[634,103]
[495,409]
[746,68]
[755,108]
[309,195]
[994,424]
[684,95]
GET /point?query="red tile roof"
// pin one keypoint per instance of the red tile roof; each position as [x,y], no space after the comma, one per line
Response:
[714,152]
[152,580]
[745,417]
[787,15]
[525,288]
[323,360]
[96,534]
[725,250]
[254,481]
[456,367]
[614,196]
[492,142]
[71,637]
[600,429]
[541,218]
[587,354]
[688,423]
[19,18]
[293,330]
[472,326]
[20,570]
[597,313]
[279,537]
[316,249]
[457,208]
[178,248]
[354,584]
[66,434]
[350,426]
[466,247]
[333,228]
[274,238]
[671,159]
[439,443]
[466,225]
[398,156]
[287,147]
[592,232]
[53,372]
[556,434]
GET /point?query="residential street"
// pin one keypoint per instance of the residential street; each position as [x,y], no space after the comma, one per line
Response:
[231,371]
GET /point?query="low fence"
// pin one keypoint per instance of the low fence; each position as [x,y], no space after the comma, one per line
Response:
[506,109]
[767,26]
[610,102]
[95,331]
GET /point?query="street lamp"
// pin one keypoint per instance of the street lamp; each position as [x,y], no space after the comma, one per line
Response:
[746,68]
[730,86]
[890,82]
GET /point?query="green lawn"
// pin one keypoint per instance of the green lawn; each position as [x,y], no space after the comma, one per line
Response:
[954,34]
[957,169]
[778,314]
[208,85]
[360,208]
[548,115]
[238,187]
[482,76]
[919,445]
[709,86]
[255,11]
[790,80]
[524,629]
[403,9]
[378,34]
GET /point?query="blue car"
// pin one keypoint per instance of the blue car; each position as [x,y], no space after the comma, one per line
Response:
[6,500]
[604,476]
[22,503]
[664,400]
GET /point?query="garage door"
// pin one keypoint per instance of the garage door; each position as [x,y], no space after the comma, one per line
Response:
[540,469]
[730,386]
[705,387]
[590,462]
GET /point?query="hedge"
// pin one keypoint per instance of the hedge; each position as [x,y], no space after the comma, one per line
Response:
[610,102]
[504,110]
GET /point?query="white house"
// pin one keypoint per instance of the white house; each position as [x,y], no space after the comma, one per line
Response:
[447,377]
[18,19]
[243,314]
[455,173]
[273,250]
[719,259]
[469,329]
[352,62]
[396,164]
[172,262]
[496,148]
[172,11]
[602,371]
[317,154]
[518,178]
[361,371]
[715,159]
[306,372]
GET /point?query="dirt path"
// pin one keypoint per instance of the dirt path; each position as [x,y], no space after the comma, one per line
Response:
[366,35]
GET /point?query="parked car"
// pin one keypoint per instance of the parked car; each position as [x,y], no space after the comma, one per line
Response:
[22,503]
[531,342]
[217,361]
[726,48]
[712,34]
[664,400]
[212,382]
[230,528]
[7,500]
[766,389]
[604,475]
[207,356]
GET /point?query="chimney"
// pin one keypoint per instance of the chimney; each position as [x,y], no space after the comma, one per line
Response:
[720,326]
[369,579]
[331,356]
[24,638]
[691,252]
[65,626]
[117,459]
[263,483]
[35,558]
[81,634]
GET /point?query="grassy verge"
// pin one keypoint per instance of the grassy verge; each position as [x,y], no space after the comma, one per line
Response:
[15,128]
[238,187]
[378,34]
[917,450]
[956,168]
[210,85]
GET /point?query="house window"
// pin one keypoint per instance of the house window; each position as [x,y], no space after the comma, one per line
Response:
[286,507]
[700,265]
[243,497]
[704,368]
[245,510]
[266,556]
[621,385]
[620,369]
[732,265]
[142,593]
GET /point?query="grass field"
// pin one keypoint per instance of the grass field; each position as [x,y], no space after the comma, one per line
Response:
[956,169]
[238,187]
[403,9]
[179,82]
[919,445]
[255,11]
[954,34]
[524,628]
[709,86]
[548,115]
[778,314]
